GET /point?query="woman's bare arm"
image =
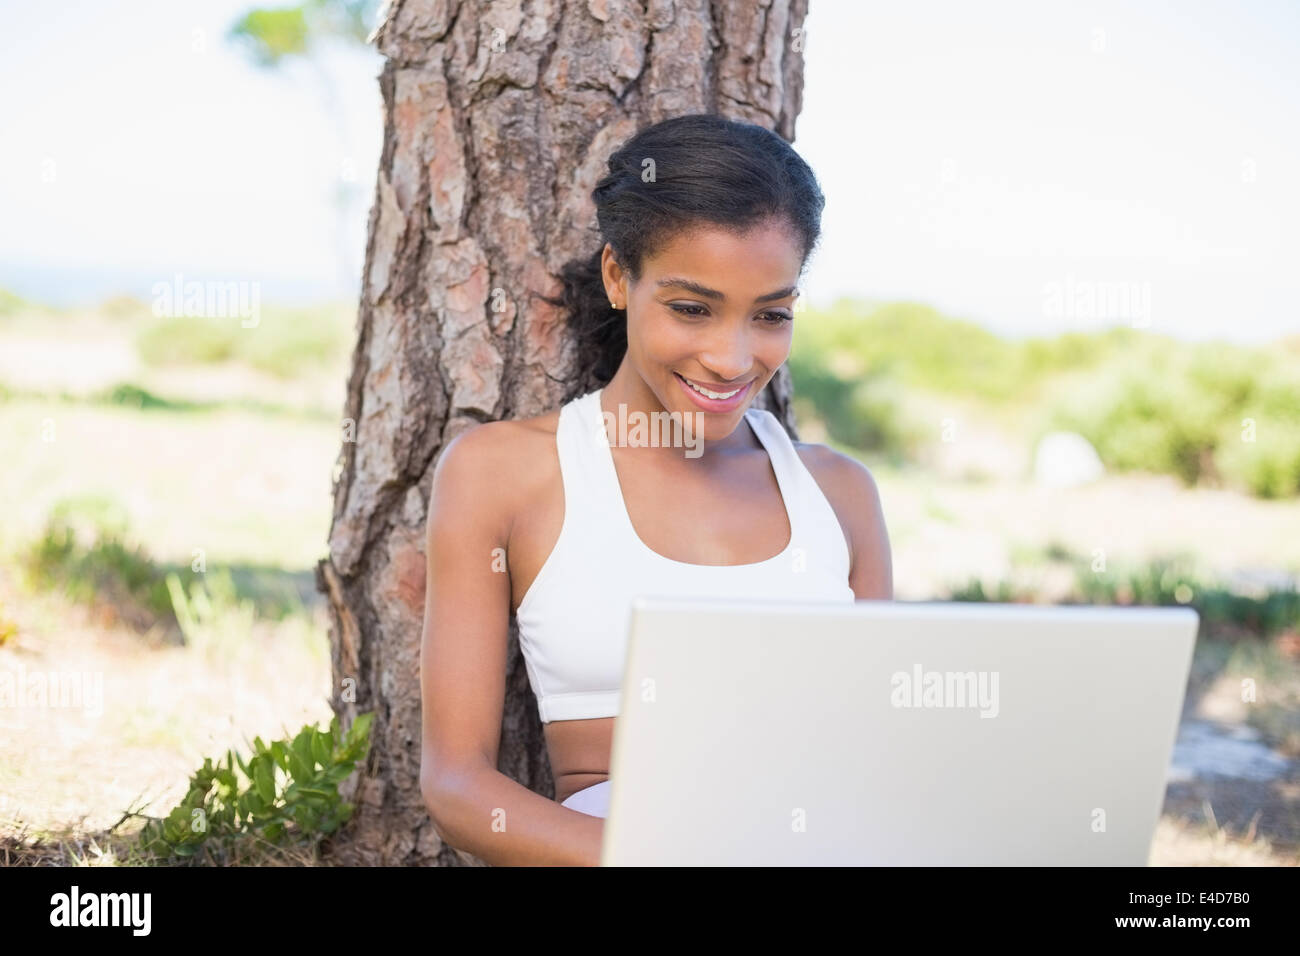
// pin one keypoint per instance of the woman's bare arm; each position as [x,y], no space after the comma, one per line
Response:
[872,574]
[474,807]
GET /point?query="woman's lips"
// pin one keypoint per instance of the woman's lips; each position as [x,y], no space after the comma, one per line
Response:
[715,404]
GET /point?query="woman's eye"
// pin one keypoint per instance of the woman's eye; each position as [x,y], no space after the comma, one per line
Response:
[771,318]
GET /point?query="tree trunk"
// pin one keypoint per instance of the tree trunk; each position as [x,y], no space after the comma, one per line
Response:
[498,119]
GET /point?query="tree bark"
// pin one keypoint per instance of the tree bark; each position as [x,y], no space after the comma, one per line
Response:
[498,119]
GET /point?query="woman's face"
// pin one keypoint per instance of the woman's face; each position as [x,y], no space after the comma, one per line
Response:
[713,308]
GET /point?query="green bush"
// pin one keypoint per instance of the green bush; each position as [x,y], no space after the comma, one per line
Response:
[133,396]
[295,340]
[284,342]
[973,591]
[1174,581]
[855,364]
[861,412]
[1163,582]
[1148,415]
[11,303]
[84,550]
[286,792]
[1259,445]
[922,348]
[1146,402]
[1179,410]
[911,343]
[1269,466]
[183,340]
[1072,351]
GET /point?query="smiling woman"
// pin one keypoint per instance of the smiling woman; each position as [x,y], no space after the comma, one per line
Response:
[686,311]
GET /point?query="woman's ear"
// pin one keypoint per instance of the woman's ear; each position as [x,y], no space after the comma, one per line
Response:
[615,278]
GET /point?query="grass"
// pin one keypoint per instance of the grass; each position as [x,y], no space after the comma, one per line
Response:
[286,342]
[1163,582]
[244,489]
[86,553]
[143,473]
[119,846]
[236,675]
[137,398]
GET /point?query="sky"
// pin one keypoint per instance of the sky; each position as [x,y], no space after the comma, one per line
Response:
[1033,167]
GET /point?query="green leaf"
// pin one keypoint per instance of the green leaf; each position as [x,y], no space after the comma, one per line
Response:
[318,792]
[322,746]
[306,817]
[271,35]
[302,747]
[281,754]
[299,769]
[360,729]
[337,774]
[264,782]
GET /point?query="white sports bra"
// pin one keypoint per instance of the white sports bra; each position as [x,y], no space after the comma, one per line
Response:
[573,620]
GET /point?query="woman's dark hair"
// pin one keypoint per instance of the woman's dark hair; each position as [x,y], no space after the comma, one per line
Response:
[706,170]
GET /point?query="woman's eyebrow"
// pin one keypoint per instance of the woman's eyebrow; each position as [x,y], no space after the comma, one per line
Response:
[708,293]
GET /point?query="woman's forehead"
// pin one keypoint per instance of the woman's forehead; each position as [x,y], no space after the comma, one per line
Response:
[716,259]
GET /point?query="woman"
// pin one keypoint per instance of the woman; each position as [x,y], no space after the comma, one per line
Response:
[686,309]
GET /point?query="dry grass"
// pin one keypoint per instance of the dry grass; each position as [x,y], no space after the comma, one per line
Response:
[117,847]
[255,489]
[70,774]
[1179,843]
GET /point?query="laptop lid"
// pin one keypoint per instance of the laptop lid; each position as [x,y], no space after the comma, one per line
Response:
[894,733]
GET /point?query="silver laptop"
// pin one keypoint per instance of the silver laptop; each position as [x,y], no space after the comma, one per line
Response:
[893,733]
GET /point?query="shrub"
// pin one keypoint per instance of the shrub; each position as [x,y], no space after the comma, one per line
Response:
[1259,445]
[11,303]
[1147,419]
[285,792]
[285,342]
[1173,581]
[861,412]
[1268,466]
[180,340]
[84,550]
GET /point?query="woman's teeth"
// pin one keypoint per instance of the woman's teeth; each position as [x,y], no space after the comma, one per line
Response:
[708,394]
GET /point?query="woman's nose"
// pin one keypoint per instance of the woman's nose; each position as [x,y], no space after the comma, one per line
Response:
[729,357]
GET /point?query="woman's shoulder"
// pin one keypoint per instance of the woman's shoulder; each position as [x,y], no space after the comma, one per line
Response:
[501,464]
[834,466]
[491,444]
[832,469]
[849,486]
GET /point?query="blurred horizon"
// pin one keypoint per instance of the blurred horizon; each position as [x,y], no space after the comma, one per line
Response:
[1146,155]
